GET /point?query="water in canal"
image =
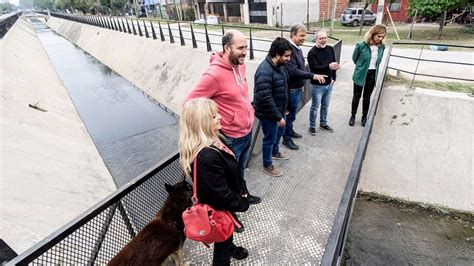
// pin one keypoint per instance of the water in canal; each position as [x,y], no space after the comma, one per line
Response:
[130,130]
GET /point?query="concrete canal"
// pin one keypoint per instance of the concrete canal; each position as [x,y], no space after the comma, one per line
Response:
[132,131]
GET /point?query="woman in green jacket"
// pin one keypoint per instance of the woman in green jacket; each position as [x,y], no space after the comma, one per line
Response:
[367,56]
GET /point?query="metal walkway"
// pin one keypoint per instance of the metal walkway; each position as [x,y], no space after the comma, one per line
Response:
[293,222]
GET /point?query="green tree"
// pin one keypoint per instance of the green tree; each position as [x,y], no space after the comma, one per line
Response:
[118,5]
[433,9]
[43,4]
[62,4]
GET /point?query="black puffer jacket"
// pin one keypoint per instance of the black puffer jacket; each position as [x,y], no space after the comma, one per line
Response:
[218,181]
[270,99]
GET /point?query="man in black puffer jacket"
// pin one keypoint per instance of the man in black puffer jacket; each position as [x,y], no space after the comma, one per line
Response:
[271,102]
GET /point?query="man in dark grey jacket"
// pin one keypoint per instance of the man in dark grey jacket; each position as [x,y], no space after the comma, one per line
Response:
[298,77]
[271,102]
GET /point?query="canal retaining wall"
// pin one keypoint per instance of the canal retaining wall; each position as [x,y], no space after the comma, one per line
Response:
[51,170]
[162,70]
[421,148]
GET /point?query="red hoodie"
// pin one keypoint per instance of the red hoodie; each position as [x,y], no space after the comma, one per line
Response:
[229,89]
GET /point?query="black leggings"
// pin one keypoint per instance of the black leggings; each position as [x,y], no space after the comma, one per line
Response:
[222,250]
[367,89]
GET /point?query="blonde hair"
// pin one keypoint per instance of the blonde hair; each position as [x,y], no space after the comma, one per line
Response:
[196,122]
[374,30]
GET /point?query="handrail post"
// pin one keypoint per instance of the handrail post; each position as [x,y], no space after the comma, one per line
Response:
[115,24]
[120,27]
[109,25]
[139,28]
[123,26]
[146,30]
[103,232]
[222,26]
[417,64]
[251,45]
[208,42]
[162,36]
[181,38]
[128,26]
[133,27]
[153,31]
[171,34]
[193,37]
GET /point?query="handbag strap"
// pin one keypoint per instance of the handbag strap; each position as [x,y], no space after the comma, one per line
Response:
[194,198]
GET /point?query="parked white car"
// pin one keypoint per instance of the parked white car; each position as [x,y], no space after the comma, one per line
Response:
[353,16]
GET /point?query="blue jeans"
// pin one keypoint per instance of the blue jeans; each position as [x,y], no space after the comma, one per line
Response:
[295,98]
[321,95]
[271,138]
[241,148]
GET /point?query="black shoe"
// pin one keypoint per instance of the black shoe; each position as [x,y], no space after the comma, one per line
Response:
[295,135]
[239,253]
[312,131]
[352,120]
[236,229]
[254,199]
[290,144]
[363,120]
[327,128]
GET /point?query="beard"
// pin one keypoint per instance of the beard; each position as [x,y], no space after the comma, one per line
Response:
[320,45]
[235,59]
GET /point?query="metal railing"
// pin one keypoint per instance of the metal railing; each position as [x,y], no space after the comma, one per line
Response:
[99,233]
[337,238]
[7,23]
[193,33]
[441,62]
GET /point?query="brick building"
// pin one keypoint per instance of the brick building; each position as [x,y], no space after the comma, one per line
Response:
[398,9]
[325,8]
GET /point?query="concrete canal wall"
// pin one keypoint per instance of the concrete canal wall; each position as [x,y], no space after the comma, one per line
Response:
[164,71]
[422,148]
[50,169]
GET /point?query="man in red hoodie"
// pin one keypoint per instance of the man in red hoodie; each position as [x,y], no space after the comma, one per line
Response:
[225,82]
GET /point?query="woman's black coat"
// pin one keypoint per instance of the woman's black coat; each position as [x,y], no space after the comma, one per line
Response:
[218,181]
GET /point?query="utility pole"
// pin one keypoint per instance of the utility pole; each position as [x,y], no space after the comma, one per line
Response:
[307,15]
[380,12]
[333,16]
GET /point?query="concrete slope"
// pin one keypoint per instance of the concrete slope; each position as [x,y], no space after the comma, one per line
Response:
[50,169]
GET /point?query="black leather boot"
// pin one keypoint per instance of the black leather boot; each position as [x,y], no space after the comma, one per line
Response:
[352,120]
[363,120]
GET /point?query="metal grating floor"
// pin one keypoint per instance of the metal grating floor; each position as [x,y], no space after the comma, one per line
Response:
[293,222]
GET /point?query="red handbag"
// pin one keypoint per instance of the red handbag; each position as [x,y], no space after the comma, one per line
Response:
[205,224]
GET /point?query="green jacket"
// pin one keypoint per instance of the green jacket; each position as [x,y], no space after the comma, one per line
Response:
[361,58]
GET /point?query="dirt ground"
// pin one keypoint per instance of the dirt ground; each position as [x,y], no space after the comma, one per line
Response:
[391,233]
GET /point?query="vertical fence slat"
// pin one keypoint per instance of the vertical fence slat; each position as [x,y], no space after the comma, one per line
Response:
[162,36]
[140,33]
[208,42]
[181,38]
[153,31]
[193,37]
[146,30]
[171,33]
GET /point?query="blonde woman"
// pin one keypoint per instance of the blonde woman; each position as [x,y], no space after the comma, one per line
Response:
[218,176]
[366,56]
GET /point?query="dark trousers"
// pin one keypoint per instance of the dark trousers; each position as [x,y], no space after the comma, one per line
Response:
[222,250]
[241,148]
[364,91]
[295,98]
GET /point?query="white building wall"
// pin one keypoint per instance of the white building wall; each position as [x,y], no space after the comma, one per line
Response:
[288,12]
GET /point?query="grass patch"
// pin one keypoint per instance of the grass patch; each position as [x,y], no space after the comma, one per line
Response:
[434,85]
